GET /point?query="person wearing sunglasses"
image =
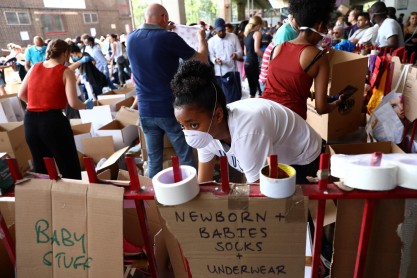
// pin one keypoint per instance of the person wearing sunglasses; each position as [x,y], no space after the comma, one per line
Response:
[297,63]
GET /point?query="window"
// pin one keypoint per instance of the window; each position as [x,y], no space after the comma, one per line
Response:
[17,18]
[53,24]
[90,18]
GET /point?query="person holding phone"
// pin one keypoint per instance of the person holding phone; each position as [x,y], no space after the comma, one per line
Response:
[297,63]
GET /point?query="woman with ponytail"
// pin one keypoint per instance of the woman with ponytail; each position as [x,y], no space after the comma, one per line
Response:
[47,89]
[252,49]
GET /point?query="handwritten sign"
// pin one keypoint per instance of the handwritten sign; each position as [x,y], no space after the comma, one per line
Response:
[266,239]
[63,238]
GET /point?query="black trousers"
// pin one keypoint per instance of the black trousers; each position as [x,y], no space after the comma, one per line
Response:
[252,74]
[49,134]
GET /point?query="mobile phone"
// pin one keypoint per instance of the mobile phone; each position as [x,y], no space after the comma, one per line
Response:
[347,92]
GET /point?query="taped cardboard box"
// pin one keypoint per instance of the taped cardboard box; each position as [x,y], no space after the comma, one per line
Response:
[384,251]
[68,228]
[345,69]
[239,235]
[123,129]
[13,142]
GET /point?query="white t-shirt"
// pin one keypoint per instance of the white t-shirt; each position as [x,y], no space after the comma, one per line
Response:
[369,35]
[259,128]
[223,49]
[388,28]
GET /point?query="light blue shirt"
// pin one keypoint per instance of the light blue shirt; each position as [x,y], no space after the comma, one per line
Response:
[285,33]
[35,54]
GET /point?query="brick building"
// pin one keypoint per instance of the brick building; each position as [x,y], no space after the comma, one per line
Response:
[21,20]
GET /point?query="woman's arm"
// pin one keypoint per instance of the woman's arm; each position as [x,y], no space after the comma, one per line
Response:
[23,90]
[206,170]
[320,71]
[71,91]
[258,40]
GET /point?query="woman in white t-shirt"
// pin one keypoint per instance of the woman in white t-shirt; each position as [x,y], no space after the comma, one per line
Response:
[246,131]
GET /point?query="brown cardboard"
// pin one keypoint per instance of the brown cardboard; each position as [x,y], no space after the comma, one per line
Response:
[102,147]
[384,251]
[262,234]
[81,131]
[69,214]
[410,95]
[123,128]
[13,142]
[105,246]
[33,209]
[336,124]
[68,228]
[116,103]
[98,147]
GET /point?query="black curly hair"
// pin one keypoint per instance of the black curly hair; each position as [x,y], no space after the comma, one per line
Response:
[310,12]
[195,84]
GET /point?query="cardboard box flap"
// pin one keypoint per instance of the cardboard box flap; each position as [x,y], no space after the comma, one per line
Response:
[98,147]
[114,158]
[410,95]
[128,116]
[81,128]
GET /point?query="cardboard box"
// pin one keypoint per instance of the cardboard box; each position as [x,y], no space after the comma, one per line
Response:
[168,148]
[71,222]
[98,116]
[340,122]
[122,93]
[384,251]
[13,142]
[116,103]
[81,131]
[410,95]
[233,236]
[123,128]
[103,148]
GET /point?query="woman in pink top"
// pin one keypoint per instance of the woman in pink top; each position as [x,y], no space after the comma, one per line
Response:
[297,63]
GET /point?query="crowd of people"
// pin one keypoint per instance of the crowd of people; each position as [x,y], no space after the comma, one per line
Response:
[280,64]
[108,56]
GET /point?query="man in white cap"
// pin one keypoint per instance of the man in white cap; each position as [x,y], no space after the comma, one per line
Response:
[224,49]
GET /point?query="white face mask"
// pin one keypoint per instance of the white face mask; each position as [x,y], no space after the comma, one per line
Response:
[198,139]
[312,29]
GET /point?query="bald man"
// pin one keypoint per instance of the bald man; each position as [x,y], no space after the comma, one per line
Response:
[36,53]
[154,55]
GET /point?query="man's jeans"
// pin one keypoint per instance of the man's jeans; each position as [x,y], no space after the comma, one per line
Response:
[154,129]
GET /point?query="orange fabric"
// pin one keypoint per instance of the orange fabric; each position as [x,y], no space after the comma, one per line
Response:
[46,89]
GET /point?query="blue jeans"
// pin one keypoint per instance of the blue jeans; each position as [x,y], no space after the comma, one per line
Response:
[154,129]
